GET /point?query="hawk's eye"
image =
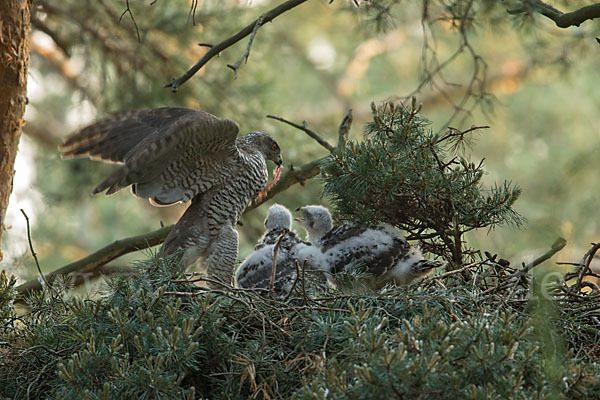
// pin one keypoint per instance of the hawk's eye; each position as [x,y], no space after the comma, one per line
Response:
[274,147]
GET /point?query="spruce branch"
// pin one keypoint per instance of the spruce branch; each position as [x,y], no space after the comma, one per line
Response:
[219,47]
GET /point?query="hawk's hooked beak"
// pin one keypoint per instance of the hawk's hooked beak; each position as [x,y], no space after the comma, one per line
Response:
[279,161]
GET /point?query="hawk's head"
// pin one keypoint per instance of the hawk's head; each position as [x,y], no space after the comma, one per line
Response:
[264,143]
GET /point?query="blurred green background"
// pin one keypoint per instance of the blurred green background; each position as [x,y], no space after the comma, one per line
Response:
[534,84]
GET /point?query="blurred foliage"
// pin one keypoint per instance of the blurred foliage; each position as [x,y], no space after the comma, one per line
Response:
[159,336]
[532,82]
[403,174]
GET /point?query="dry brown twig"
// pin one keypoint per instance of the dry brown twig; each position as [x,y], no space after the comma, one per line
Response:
[37,264]
[274,269]
[514,278]
[244,57]
[128,11]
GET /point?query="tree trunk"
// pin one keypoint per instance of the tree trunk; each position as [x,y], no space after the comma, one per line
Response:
[14,60]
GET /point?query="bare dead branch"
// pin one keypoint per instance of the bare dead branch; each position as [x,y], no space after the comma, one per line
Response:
[561,19]
[216,49]
[557,246]
[304,128]
[584,265]
[101,257]
[244,57]
[514,278]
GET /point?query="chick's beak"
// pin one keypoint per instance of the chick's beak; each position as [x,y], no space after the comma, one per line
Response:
[299,219]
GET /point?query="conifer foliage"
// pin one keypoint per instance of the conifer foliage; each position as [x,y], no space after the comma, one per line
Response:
[158,336]
[404,174]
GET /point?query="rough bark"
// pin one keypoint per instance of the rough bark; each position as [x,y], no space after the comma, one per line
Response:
[15,18]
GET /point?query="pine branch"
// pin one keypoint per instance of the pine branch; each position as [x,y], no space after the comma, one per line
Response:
[561,19]
[248,30]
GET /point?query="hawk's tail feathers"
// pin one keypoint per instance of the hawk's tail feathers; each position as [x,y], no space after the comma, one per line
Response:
[113,183]
[86,141]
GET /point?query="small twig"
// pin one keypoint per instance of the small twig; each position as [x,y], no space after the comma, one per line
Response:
[274,268]
[455,271]
[128,10]
[457,132]
[37,264]
[557,246]
[295,281]
[216,49]
[304,281]
[192,12]
[244,57]
[304,128]
[584,265]
[514,278]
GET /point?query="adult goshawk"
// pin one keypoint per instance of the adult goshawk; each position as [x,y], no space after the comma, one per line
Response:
[174,154]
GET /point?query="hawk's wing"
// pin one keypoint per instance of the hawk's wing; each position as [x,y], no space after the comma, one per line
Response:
[110,139]
[198,147]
